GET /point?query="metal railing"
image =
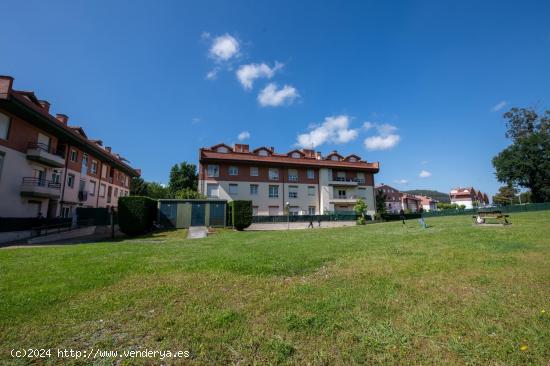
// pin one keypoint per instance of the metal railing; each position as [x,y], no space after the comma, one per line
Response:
[40,182]
[44,230]
[344,216]
[527,207]
[350,180]
[47,148]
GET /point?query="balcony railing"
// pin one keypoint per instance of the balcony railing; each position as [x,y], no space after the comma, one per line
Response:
[350,180]
[82,195]
[39,187]
[39,182]
[46,148]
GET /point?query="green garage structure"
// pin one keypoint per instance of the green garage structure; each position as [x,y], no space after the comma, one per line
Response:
[184,213]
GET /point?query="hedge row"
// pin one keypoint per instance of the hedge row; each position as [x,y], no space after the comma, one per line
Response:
[396,217]
[241,214]
[27,223]
[136,214]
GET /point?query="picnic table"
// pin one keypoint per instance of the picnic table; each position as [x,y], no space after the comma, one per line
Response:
[497,215]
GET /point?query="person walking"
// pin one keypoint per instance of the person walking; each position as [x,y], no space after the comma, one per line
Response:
[310,223]
[402,216]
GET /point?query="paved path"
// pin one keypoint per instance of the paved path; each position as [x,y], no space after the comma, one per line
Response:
[197,232]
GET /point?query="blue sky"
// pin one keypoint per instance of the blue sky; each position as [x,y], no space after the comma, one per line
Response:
[417,86]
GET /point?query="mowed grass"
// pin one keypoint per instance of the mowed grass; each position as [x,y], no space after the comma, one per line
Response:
[375,294]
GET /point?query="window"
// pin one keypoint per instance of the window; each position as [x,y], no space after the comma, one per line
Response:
[116,192]
[233,189]
[254,210]
[296,155]
[273,191]
[362,192]
[212,190]
[2,157]
[104,171]
[292,175]
[341,193]
[93,168]
[92,188]
[222,149]
[254,171]
[66,211]
[310,174]
[74,155]
[311,210]
[70,180]
[360,178]
[102,190]
[233,170]
[213,170]
[311,191]
[273,174]
[56,176]
[253,189]
[294,210]
[273,210]
[5,122]
[292,191]
[263,152]
[352,159]
[334,158]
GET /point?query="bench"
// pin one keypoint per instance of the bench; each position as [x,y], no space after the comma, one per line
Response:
[492,215]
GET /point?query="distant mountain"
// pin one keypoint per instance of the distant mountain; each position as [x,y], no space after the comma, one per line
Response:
[440,196]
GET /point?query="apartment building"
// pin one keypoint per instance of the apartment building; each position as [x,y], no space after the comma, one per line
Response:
[303,180]
[467,196]
[50,167]
[428,203]
[397,201]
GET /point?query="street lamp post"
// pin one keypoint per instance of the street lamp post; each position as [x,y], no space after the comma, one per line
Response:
[287,205]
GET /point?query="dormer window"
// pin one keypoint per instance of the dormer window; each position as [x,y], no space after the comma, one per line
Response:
[334,158]
[222,149]
[352,159]
[263,152]
[296,155]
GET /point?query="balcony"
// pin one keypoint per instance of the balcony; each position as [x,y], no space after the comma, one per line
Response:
[349,182]
[345,199]
[42,153]
[42,188]
[82,195]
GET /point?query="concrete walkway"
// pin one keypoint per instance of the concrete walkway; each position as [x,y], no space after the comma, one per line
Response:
[197,232]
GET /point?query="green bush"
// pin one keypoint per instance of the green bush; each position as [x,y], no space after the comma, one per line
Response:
[136,214]
[241,214]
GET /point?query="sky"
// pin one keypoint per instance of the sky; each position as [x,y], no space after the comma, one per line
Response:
[418,86]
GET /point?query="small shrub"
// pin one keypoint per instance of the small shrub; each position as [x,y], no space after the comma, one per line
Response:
[361,221]
[136,214]
[241,214]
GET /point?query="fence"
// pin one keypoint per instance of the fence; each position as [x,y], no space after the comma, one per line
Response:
[305,218]
[527,207]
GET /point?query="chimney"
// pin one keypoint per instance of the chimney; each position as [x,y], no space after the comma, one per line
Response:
[45,105]
[108,148]
[318,155]
[272,149]
[62,118]
[6,83]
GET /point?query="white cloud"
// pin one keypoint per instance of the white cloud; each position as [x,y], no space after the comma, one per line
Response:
[244,135]
[497,107]
[401,181]
[195,120]
[368,125]
[425,174]
[213,74]
[270,96]
[248,73]
[381,142]
[224,47]
[334,129]
[386,129]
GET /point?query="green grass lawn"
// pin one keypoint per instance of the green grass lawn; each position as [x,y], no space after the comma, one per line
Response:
[375,294]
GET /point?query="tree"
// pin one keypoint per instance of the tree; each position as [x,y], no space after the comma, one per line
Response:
[381,198]
[183,176]
[360,209]
[506,195]
[138,187]
[526,163]
[188,193]
[157,191]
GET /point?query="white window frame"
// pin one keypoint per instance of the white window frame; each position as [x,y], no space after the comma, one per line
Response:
[310,174]
[293,177]
[233,170]
[235,189]
[74,156]
[5,120]
[93,167]
[292,191]
[254,192]
[92,187]
[215,172]
[311,189]
[70,180]
[254,171]
[309,210]
[102,191]
[273,174]
[273,191]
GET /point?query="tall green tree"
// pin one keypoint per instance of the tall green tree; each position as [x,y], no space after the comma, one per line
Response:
[183,176]
[526,163]
[138,187]
[157,191]
[506,196]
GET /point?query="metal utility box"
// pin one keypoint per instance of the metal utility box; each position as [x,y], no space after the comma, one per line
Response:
[184,213]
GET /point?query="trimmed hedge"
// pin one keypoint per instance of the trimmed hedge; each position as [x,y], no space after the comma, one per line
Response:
[241,214]
[136,214]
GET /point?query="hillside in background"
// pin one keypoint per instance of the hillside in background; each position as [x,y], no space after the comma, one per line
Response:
[440,196]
